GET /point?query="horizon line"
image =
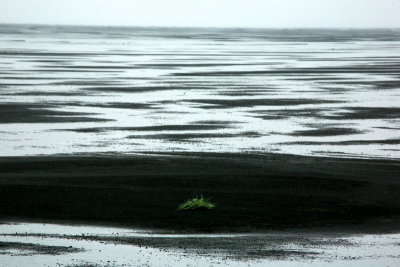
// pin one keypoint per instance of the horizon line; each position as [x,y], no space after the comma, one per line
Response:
[199,27]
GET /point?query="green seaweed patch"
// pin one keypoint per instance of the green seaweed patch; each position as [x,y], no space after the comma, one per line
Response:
[197,203]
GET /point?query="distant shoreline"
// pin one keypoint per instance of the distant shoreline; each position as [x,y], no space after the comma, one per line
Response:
[233,28]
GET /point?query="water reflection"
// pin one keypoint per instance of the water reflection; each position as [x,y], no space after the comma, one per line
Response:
[93,89]
[30,244]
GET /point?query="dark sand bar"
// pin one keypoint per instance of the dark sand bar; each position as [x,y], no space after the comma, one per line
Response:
[252,192]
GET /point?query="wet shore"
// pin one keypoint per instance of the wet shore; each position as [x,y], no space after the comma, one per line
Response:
[313,92]
[31,244]
[293,134]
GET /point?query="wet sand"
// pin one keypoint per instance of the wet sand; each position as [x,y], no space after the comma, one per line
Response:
[252,192]
[31,244]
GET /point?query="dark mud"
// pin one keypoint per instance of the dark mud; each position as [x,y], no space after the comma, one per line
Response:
[230,103]
[40,113]
[217,122]
[252,192]
[43,93]
[275,114]
[67,70]
[34,249]
[86,82]
[360,113]
[117,105]
[328,131]
[394,141]
[252,246]
[140,89]
[183,127]
[235,92]
[190,136]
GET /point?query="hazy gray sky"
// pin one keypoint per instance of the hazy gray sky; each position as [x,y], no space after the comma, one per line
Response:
[217,13]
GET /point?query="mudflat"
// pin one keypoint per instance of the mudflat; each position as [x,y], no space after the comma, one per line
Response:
[252,192]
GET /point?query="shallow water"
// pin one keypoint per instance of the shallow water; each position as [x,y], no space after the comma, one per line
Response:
[22,245]
[101,89]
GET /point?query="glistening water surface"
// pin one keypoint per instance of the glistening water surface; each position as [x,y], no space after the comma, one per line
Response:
[32,244]
[132,90]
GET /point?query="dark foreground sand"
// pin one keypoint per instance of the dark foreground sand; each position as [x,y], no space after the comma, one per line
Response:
[252,192]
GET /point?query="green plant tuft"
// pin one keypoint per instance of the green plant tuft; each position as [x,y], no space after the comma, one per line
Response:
[197,203]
